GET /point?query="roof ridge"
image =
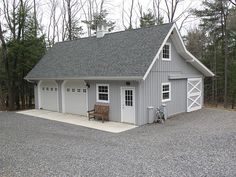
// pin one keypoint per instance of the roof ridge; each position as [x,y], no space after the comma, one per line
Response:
[127,30]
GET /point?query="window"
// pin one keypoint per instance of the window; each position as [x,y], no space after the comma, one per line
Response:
[68,89]
[43,88]
[166,92]
[47,88]
[166,52]
[84,90]
[103,93]
[73,90]
[78,90]
[128,97]
[55,89]
[51,89]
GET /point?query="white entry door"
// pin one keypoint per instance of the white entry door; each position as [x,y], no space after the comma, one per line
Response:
[194,95]
[128,105]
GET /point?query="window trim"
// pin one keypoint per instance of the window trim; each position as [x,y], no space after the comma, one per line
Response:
[167,59]
[162,92]
[97,93]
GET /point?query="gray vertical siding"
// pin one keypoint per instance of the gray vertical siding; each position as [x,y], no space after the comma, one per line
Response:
[115,97]
[150,89]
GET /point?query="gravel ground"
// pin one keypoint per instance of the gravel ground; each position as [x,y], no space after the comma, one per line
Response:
[202,143]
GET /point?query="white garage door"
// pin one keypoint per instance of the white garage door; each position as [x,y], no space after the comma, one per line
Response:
[75,97]
[194,95]
[49,95]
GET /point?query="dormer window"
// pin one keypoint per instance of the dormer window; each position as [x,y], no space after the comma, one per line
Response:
[166,52]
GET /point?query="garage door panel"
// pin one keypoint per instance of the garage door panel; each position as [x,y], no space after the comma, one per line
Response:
[194,95]
[75,97]
[49,95]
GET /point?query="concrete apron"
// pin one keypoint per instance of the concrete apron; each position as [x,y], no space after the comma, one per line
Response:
[108,126]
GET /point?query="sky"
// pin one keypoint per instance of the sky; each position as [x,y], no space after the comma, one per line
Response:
[147,4]
[114,8]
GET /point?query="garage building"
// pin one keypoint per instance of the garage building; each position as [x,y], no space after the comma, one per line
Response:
[131,71]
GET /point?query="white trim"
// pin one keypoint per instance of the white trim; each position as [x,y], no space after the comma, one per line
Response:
[169,99]
[192,57]
[87,105]
[158,52]
[134,102]
[166,59]
[97,97]
[199,94]
[58,107]
[39,94]
[121,117]
[63,106]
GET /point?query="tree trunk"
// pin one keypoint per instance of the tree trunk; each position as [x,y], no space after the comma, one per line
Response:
[11,97]
[30,97]
[69,20]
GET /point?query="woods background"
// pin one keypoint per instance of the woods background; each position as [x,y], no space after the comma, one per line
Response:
[25,38]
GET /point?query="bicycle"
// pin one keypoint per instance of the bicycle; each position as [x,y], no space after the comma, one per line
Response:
[159,115]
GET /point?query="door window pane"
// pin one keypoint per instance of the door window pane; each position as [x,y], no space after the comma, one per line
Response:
[128,97]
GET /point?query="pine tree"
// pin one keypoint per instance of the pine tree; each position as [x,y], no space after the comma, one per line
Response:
[148,19]
[100,19]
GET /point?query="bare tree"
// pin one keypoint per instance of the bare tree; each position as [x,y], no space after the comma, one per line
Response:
[131,14]
[53,22]
[233,2]
[35,19]
[171,7]
[127,16]
[156,4]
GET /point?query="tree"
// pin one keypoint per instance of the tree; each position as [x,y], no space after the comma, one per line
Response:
[21,48]
[53,22]
[148,19]
[233,2]
[214,19]
[232,52]
[71,10]
[128,15]
[98,19]
[195,42]
[157,11]
[170,10]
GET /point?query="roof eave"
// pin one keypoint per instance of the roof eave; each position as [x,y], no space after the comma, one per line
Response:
[87,78]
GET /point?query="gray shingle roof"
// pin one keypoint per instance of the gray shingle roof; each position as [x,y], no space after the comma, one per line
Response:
[120,54]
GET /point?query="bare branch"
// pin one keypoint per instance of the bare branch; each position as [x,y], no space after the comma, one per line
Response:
[233,2]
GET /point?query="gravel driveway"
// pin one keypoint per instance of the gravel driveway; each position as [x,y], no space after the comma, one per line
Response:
[202,143]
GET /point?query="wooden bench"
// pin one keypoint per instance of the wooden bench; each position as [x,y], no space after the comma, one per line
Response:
[100,112]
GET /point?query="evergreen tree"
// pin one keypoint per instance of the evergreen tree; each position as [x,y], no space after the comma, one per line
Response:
[148,19]
[20,52]
[100,19]
[195,42]
[214,24]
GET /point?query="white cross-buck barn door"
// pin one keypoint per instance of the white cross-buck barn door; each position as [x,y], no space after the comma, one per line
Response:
[194,94]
